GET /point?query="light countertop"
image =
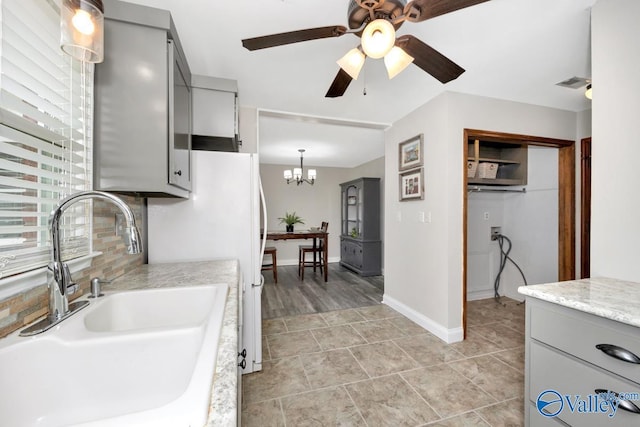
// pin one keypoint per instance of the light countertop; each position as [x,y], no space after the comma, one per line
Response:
[613,299]
[223,404]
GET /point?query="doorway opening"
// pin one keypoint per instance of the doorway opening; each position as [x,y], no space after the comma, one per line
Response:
[566,199]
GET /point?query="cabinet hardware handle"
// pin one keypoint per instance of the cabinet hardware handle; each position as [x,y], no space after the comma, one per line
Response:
[243,353]
[178,172]
[243,364]
[619,353]
[627,405]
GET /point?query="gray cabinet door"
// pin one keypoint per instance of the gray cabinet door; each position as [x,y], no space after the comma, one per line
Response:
[179,123]
[142,121]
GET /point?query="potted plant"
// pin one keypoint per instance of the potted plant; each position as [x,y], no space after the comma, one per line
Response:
[290,219]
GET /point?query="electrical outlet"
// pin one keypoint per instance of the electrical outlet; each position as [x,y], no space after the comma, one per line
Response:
[495,232]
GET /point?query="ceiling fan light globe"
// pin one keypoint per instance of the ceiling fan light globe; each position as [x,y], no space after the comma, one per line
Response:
[589,92]
[352,62]
[396,61]
[378,38]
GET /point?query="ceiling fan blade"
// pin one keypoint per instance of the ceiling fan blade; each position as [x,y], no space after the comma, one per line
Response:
[420,10]
[293,37]
[339,85]
[429,59]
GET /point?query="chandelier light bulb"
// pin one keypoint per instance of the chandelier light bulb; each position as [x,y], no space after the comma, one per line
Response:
[378,38]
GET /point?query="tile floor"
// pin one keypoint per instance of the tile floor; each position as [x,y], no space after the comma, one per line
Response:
[371,366]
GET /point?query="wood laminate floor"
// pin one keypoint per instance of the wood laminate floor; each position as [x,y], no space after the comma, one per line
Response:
[292,296]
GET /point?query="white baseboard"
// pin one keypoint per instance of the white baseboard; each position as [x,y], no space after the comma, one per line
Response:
[482,294]
[447,335]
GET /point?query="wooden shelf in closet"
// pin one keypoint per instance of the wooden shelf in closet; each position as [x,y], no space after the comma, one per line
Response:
[511,160]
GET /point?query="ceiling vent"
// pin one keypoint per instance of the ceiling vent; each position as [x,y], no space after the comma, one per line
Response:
[574,82]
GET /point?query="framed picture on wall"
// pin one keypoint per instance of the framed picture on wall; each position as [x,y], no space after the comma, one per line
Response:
[412,185]
[410,153]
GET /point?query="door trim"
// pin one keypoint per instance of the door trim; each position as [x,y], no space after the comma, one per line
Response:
[566,200]
[585,208]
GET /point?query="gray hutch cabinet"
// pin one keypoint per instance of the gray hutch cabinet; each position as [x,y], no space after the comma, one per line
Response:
[360,244]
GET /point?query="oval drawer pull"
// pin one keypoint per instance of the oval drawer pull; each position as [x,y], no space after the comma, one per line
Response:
[619,353]
[627,405]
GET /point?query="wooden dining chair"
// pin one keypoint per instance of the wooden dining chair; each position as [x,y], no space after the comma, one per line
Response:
[303,250]
[273,265]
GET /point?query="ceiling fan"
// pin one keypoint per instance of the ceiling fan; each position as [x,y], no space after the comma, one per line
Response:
[375,22]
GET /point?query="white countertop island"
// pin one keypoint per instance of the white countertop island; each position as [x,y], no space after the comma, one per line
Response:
[612,299]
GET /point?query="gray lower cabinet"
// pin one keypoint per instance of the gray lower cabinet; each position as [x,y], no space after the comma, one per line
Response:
[571,354]
[361,256]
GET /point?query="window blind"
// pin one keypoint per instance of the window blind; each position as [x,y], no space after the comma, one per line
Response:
[45,136]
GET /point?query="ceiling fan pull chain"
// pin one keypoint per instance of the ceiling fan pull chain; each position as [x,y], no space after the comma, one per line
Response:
[364,83]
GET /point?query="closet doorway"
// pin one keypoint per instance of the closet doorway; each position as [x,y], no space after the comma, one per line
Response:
[566,198]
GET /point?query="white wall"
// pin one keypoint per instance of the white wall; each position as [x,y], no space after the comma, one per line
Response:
[615,224]
[423,261]
[529,220]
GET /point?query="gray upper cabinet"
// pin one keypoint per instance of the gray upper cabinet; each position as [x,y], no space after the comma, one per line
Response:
[215,113]
[143,102]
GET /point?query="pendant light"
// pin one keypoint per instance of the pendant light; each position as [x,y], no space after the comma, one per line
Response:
[82,29]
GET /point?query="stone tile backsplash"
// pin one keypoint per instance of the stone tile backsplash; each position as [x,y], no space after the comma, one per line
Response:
[25,307]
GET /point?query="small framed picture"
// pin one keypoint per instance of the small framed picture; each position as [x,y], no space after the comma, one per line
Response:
[412,185]
[410,153]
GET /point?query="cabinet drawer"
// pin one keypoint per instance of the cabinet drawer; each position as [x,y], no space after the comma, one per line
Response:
[566,375]
[578,333]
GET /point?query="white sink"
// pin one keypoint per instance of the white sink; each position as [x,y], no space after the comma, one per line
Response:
[148,309]
[124,360]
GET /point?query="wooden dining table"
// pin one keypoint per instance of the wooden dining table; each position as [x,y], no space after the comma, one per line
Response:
[304,235]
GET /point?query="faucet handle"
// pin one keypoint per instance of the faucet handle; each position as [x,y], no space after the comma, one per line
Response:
[70,286]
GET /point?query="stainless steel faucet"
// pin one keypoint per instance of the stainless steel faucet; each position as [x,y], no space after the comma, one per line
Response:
[58,276]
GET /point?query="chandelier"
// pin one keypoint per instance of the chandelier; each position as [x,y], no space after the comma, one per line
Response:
[298,173]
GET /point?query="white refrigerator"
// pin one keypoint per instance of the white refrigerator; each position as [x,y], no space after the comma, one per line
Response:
[220,220]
